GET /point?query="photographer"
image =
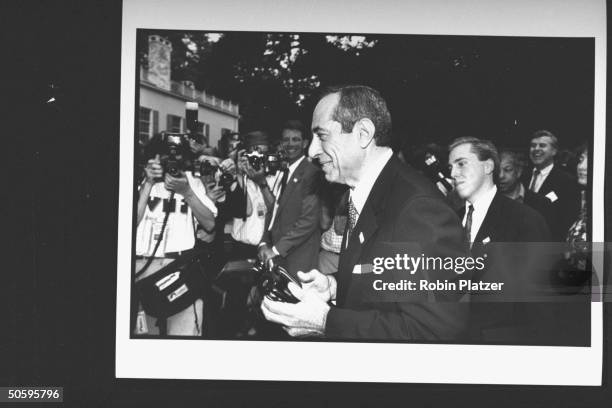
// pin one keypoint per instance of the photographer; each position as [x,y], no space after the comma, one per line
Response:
[169,187]
[247,231]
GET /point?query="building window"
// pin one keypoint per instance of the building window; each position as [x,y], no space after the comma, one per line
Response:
[204,130]
[174,124]
[145,128]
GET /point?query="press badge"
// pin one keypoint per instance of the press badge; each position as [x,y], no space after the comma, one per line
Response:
[156,231]
[261,210]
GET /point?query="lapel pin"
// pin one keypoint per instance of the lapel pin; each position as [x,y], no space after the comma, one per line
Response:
[295,180]
[486,240]
[361,239]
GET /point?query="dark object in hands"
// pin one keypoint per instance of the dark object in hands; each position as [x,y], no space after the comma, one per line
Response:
[275,280]
[207,168]
[225,180]
[274,163]
[256,160]
[174,154]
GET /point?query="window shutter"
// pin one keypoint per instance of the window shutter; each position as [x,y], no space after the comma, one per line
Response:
[168,122]
[155,120]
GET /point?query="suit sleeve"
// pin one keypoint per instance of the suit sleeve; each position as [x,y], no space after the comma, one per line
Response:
[436,228]
[308,220]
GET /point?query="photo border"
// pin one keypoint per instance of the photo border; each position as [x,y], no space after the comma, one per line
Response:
[335,361]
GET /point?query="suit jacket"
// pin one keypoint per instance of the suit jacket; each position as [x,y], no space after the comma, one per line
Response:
[506,241]
[563,194]
[404,213]
[295,231]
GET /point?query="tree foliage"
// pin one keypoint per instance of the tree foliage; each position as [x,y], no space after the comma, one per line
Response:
[437,87]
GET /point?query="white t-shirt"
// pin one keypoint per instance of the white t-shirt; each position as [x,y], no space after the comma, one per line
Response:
[179,234]
[250,231]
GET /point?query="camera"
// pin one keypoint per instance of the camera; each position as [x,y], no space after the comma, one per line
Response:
[225,180]
[436,172]
[274,163]
[274,281]
[208,169]
[175,157]
[256,160]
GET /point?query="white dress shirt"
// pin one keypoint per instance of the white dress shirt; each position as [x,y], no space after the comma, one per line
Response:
[370,173]
[541,177]
[481,206]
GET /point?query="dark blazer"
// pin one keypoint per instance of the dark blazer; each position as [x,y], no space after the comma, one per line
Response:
[541,204]
[296,232]
[506,241]
[563,209]
[404,213]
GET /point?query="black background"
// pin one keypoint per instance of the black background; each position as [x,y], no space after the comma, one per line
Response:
[61,228]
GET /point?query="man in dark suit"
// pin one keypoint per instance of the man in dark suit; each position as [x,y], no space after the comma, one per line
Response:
[558,187]
[505,233]
[392,210]
[294,232]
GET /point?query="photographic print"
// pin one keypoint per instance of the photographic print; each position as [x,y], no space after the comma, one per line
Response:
[413,195]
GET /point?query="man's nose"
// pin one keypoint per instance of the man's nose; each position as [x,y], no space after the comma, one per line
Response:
[454,172]
[315,147]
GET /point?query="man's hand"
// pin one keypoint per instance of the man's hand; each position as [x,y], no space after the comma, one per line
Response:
[214,191]
[179,185]
[153,170]
[258,176]
[305,318]
[318,284]
[264,253]
[228,166]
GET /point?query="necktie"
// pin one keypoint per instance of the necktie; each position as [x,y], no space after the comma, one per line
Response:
[352,218]
[283,182]
[468,224]
[532,186]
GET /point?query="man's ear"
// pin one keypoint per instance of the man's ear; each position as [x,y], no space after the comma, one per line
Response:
[366,130]
[305,144]
[489,166]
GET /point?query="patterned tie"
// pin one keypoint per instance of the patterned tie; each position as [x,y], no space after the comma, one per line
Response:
[352,218]
[468,224]
[532,186]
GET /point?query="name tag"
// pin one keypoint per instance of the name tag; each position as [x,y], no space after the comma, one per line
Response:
[552,196]
[362,269]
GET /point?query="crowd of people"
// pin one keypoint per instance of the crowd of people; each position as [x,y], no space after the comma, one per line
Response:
[324,198]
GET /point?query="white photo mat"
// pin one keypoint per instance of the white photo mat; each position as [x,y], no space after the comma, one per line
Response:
[321,361]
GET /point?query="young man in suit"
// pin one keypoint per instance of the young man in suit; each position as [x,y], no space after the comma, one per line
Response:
[392,209]
[293,232]
[502,231]
[553,184]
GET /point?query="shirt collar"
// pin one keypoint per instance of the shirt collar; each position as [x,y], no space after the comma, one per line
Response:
[294,166]
[483,202]
[370,172]
[544,172]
